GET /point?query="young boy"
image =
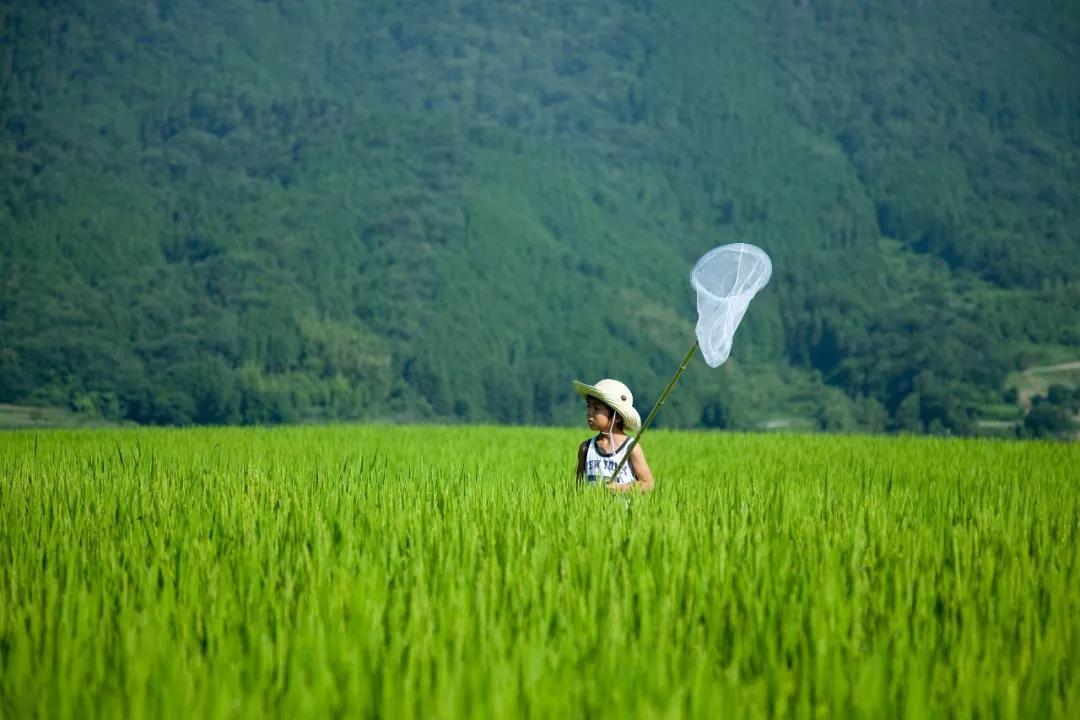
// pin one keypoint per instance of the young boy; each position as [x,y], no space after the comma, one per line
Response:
[609,409]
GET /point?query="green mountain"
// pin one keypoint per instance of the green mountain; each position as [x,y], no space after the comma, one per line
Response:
[290,211]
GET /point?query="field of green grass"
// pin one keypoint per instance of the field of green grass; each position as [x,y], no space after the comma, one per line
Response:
[459,572]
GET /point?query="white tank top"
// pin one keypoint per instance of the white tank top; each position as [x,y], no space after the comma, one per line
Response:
[601,465]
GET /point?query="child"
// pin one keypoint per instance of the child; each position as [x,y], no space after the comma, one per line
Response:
[609,409]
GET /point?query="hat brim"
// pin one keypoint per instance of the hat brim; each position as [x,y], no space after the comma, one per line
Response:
[630,416]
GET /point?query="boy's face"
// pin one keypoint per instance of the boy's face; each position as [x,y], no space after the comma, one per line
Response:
[598,414]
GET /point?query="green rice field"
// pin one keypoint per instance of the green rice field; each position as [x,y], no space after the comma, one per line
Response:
[446,572]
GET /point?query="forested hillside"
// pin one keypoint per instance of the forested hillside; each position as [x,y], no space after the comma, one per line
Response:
[288,211]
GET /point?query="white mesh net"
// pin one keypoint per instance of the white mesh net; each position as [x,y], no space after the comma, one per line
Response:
[726,279]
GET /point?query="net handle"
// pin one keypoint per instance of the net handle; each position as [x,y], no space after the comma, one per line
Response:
[656,408]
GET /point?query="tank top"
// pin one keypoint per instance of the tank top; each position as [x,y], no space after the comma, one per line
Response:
[601,465]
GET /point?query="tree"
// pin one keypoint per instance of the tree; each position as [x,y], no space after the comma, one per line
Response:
[1048,421]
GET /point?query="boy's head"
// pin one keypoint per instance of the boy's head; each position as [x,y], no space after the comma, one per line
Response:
[607,398]
[599,414]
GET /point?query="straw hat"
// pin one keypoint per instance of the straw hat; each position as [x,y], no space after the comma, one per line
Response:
[615,394]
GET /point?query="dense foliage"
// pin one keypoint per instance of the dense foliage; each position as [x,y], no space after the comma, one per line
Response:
[458,572]
[1052,415]
[285,211]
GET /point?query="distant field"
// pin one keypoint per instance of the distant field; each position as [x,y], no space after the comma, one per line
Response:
[1037,380]
[459,572]
[25,416]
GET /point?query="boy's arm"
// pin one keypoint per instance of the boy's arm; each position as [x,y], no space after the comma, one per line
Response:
[642,472]
[582,449]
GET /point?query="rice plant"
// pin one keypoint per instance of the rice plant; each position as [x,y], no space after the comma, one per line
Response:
[460,572]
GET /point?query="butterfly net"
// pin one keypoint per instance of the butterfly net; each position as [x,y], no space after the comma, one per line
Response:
[726,280]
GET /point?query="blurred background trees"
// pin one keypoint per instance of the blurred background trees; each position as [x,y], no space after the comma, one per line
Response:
[285,212]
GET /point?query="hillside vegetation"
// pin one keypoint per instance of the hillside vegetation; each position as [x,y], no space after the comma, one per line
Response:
[290,211]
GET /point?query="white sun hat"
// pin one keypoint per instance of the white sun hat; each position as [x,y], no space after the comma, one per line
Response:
[615,394]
